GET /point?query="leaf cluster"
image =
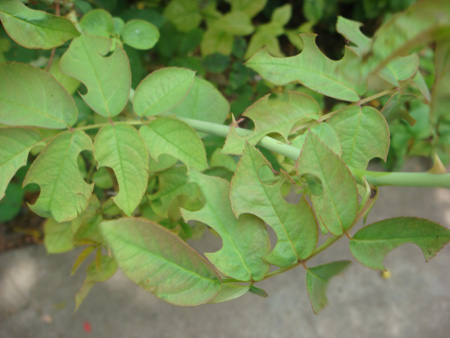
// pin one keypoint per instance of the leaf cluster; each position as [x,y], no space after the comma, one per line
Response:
[130,168]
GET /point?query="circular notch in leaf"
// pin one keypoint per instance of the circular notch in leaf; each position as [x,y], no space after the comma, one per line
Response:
[162,90]
[32,97]
[372,243]
[160,262]
[140,34]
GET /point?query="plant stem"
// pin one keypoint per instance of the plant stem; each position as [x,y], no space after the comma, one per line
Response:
[373,177]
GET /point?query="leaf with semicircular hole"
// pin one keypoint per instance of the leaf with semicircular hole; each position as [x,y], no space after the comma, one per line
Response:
[294,224]
[162,90]
[338,205]
[121,148]
[15,145]
[203,102]
[311,68]
[317,279]
[64,194]
[107,78]
[160,262]
[35,29]
[245,240]
[175,138]
[46,103]
[372,243]
[273,116]
[364,134]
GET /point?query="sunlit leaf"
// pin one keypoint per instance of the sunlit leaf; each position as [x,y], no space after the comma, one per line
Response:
[162,90]
[245,240]
[338,205]
[314,70]
[216,41]
[317,279]
[294,224]
[234,23]
[185,14]
[249,7]
[69,83]
[121,148]
[175,138]
[58,236]
[140,34]
[35,29]
[107,78]
[15,145]
[364,134]
[273,116]
[64,194]
[372,243]
[160,262]
[46,103]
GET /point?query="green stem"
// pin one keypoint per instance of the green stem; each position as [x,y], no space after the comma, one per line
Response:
[373,177]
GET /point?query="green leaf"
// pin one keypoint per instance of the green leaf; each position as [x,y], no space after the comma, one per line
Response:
[313,10]
[245,240]
[364,134]
[162,90]
[203,102]
[326,133]
[273,116]
[229,292]
[46,103]
[69,83]
[160,262]
[122,149]
[233,23]
[216,41]
[58,236]
[317,279]
[421,23]
[175,138]
[11,205]
[294,224]
[422,86]
[64,194]
[314,70]
[281,15]
[249,7]
[108,268]
[372,243]
[440,98]
[35,29]
[15,145]
[400,69]
[86,226]
[140,34]
[185,14]
[263,39]
[338,205]
[107,78]
[97,22]
[173,183]
[351,31]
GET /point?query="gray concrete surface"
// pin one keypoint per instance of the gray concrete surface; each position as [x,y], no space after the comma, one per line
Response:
[36,294]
